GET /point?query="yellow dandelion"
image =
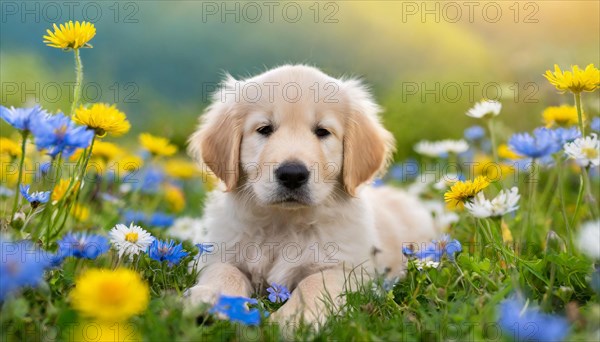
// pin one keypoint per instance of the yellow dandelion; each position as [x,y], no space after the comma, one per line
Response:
[505,152]
[80,213]
[71,36]
[506,234]
[576,80]
[103,331]
[181,169]
[563,116]
[9,147]
[125,166]
[175,198]
[485,166]
[461,191]
[103,119]
[106,151]
[60,189]
[158,146]
[9,170]
[111,295]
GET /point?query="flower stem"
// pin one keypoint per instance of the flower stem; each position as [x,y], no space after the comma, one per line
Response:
[589,196]
[77,191]
[490,123]
[20,177]
[78,81]
[532,188]
[579,113]
[561,195]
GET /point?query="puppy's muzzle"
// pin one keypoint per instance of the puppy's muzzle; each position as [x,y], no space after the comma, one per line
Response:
[292,175]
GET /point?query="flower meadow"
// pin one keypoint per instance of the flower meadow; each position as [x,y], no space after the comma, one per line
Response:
[95,245]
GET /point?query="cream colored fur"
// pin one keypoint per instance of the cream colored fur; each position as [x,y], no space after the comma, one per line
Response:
[339,234]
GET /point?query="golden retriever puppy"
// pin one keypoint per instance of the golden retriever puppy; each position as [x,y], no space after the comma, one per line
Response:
[295,150]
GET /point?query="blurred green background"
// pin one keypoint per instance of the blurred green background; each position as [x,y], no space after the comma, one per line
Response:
[427,62]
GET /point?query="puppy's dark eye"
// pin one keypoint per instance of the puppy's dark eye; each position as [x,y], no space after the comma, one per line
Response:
[322,132]
[265,130]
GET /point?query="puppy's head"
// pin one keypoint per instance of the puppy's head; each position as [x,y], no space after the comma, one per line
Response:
[292,137]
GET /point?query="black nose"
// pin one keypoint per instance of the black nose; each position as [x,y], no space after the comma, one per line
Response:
[292,175]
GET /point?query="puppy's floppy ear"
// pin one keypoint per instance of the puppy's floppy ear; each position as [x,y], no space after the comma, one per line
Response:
[368,146]
[216,142]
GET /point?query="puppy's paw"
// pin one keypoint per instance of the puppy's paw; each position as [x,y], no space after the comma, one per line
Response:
[197,295]
[291,317]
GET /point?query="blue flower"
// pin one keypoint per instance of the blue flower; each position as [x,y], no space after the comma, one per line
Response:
[82,245]
[205,248]
[152,178]
[236,309]
[430,252]
[160,220]
[404,171]
[34,198]
[58,134]
[541,144]
[132,216]
[435,250]
[449,246]
[22,118]
[278,293]
[565,135]
[166,250]
[475,132]
[21,264]
[530,324]
[595,124]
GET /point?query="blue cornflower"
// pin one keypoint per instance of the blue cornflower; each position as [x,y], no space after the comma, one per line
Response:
[541,144]
[595,124]
[160,220]
[404,171]
[236,309]
[22,118]
[133,216]
[166,250]
[475,132]
[59,134]
[152,178]
[529,324]
[564,135]
[278,293]
[205,248]
[449,246]
[34,198]
[431,252]
[82,245]
[21,264]
[435,250]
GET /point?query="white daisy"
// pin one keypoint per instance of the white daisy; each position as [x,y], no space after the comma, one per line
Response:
[442,217]
[130,240]
[441,148]
[188,228]
[455,146]
[504,203]
[585,151]
[589,239]
[484,109]
[423,264]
